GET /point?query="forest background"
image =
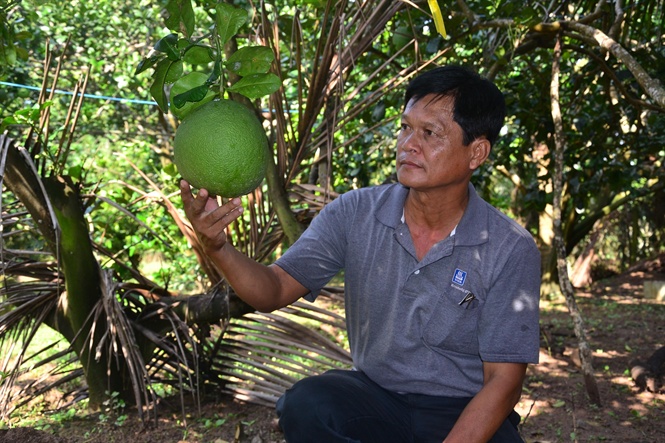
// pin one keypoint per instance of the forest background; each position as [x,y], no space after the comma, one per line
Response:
[94,242]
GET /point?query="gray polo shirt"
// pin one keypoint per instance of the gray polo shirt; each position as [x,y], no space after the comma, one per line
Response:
[409,329]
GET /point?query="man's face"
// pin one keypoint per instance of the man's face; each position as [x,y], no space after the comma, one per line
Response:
[430,149]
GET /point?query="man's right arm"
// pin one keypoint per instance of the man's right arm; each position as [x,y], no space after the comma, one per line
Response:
[265,288]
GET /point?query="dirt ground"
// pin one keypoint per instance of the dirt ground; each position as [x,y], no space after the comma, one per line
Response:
[621,326]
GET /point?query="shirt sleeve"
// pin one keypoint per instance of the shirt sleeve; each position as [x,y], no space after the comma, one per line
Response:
[319,254]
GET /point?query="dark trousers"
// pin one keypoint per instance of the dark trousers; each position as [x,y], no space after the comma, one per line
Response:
[346,406]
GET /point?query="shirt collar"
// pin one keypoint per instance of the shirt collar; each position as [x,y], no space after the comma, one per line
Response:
[471,230]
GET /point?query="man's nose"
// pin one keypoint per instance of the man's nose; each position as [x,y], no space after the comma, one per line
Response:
[410,142]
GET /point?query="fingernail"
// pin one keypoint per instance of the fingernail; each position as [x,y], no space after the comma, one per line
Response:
[236,201]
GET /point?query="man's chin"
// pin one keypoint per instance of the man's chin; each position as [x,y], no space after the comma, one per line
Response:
[406,179]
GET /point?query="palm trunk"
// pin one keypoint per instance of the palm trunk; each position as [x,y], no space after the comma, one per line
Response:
[83,290]
[55,205]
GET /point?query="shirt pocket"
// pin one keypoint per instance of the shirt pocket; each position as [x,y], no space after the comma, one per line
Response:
[453,324]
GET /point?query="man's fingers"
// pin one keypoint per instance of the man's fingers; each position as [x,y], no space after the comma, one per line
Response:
[207,217]
[186,194]
[204,206]
[185,189]
[194,204]
[227,212]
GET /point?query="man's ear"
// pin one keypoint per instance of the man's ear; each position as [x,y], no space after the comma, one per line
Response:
[480,150]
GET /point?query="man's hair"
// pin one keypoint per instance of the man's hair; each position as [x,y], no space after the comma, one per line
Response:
[478,105]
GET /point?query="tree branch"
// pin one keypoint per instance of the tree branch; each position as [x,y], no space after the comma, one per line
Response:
[652,87]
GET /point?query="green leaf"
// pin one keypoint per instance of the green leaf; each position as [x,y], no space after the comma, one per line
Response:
[186,103]
[22,53]
[8,55]
[76,172]
[229,20]
[157,88]
[188,18]
[9,120]
[146,63]
[251,60]
[168,45]
[22,35]
[256,85]
[170,170]
[198,55]
[181,16]
[193,95]
[34,114]
[174,72]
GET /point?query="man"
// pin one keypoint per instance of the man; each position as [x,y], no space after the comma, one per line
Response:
[441,288]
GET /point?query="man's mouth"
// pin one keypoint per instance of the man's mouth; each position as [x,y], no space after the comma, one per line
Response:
[409,164]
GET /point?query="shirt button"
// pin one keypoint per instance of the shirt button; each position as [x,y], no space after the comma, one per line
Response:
[417,271]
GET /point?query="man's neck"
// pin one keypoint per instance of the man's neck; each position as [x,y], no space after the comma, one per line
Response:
[432,218]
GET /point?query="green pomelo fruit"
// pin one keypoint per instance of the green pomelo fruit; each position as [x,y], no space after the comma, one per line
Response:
[184,84]
[222,147]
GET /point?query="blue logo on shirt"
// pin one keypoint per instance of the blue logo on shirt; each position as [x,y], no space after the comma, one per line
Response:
[459,277]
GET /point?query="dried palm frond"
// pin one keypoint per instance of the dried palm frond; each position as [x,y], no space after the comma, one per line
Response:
[120,341]
[30,289]
[25,304]
[262,355]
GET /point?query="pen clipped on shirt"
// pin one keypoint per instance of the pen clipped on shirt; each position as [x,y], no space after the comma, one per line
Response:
[466,301]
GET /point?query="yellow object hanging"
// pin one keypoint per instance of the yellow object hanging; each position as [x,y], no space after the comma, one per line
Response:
[438,18]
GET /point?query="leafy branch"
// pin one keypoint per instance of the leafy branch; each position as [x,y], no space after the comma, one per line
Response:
[181,48]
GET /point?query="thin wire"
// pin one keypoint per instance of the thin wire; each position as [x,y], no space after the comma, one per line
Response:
[100,97]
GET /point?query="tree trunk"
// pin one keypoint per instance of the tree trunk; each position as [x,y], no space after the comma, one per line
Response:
[564,281]
[82,292]
[55,205]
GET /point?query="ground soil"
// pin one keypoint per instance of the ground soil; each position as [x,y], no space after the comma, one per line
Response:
[621,327]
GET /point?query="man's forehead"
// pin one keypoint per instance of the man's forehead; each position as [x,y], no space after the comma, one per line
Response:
[435,105]
[429,100]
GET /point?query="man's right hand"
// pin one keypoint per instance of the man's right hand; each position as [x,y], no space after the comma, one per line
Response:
[208,219]
[266,288]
